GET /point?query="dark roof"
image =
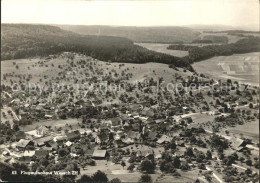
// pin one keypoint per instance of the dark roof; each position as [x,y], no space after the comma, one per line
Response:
[41,153]
[102,136]
[20,135]
[43,140]
[133,135]
[116,121]
[73,135]
[152,135]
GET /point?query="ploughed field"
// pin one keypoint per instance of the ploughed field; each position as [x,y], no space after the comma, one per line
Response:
[239,67]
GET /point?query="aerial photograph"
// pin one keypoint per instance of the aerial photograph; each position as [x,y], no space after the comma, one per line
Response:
[111,91]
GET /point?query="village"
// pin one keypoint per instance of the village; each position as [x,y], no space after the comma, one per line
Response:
[70,112]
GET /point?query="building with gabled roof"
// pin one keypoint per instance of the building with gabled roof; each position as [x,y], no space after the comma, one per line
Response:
[23,143]
[99,154]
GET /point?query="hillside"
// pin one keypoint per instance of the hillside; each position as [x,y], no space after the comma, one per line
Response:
[247,45]
[138,34]
[24,41]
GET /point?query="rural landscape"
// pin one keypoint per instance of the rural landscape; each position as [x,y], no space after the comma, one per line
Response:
[116,112]
[122,103]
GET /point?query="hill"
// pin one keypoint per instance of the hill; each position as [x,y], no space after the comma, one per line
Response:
[27,40]
[138,34]
[246,45]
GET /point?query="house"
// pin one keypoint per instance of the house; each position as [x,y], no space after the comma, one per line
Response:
[101,138]
[41,153]
[132,136]
[237,142]
[152,136]
[83,103]
[119,143]
[180,143]
[68,143]
[144,153]
[74,135]
[42,141]
[179,153]
[29,153]
[22,144]
[53,145]
[99,154]
[116,122]
[48,116]
[42,130]
[164,139]
[148,112]
[158,121]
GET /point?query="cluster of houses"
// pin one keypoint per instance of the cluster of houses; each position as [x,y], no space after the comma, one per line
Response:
[151,119]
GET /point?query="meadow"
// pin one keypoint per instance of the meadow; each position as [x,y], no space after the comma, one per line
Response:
[213,68]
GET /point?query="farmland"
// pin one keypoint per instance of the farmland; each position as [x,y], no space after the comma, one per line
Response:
[248,61]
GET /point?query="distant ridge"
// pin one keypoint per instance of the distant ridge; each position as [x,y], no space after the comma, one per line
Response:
[154,34]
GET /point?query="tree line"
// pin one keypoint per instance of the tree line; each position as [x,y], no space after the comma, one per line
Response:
[201,53]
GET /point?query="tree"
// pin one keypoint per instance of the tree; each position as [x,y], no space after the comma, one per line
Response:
[62,152]
[209,154]
[242,159]
[85,178]
[145,178]
[115,180]
[123,164]
[147,166]
[256,164]
[171,145]
[167,167]
[251,106]
[248,171]
[176,162]
[131,167]
[249,162]
[99,177]
[189,152]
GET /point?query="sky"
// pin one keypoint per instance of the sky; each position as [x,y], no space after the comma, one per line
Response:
[238,13]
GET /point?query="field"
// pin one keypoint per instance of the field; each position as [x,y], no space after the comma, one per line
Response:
[248,130]
[116,171]
[240,67]
[53,123]
[50,69]
[163,49]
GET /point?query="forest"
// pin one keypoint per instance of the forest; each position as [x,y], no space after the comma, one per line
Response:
[27,40]
[200,53]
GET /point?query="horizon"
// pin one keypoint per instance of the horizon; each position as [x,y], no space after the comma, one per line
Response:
[239,14]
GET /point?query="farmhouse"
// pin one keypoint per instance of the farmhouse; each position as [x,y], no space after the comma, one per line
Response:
[236,143]
[99,154]
[74,135]
[42,141]
[22,144]
[41,153]
[164,139]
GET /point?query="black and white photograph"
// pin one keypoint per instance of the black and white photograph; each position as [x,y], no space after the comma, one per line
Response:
[114,91]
